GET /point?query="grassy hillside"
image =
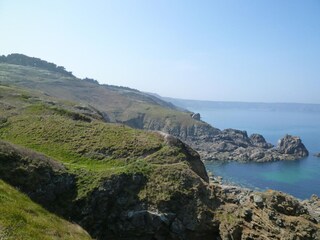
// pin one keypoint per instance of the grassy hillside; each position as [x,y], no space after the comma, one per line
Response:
[79,140]
[116,104]
[21,218]
[94,154]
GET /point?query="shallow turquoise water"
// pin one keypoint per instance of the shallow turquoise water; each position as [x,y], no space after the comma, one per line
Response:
[300,178]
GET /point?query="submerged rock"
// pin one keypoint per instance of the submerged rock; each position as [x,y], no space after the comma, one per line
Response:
[317,155]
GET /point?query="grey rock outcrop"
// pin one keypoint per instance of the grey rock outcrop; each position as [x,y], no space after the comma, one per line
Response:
[259,141]
[264,215]
[196,116]
[235,145]
[292,145]
[313,206]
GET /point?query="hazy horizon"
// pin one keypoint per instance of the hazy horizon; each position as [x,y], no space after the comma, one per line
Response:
[229,51]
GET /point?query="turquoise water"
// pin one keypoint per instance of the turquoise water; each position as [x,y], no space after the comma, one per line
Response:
[299,178]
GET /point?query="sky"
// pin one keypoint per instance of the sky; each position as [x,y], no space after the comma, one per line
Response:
[221,50]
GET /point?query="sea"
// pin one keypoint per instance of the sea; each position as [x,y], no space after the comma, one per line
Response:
[300,178]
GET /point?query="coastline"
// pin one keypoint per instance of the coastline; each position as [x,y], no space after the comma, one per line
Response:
[239,194]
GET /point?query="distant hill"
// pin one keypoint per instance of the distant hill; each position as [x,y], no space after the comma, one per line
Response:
[23,60]
[117,104]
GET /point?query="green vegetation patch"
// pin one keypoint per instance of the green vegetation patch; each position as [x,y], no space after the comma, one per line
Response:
[21,218]
[91,150]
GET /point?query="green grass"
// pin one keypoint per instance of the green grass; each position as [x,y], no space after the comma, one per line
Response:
[121,105]
[21,219]
[91,150]
[77,142]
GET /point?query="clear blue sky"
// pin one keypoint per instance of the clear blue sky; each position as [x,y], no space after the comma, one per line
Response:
[231,50]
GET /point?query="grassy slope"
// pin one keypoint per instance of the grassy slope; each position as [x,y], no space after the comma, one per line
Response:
[20,218]
[92,149]
[120,104]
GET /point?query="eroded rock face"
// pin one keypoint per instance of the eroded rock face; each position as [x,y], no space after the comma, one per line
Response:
[41,178]
[292,145]
[313,206]
[196,116]
[193,157]
[259,141]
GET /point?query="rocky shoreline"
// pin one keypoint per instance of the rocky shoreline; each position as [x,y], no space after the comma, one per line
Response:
[236,145]
[238,192]
[276,207]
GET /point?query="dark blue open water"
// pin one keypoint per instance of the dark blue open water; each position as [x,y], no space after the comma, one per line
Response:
[299,178]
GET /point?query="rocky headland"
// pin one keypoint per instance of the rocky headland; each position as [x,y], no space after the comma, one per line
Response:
[214,144]
[236,145]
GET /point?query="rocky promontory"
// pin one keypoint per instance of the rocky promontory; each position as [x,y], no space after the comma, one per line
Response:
[236,145]
[226,145]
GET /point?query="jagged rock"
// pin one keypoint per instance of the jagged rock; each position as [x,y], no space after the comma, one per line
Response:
[258,200]
[313,206]
[196,116]
[285,204]
[235,145]
[192,156]
[259,141]
[317,155]
[292,145]
[277,216]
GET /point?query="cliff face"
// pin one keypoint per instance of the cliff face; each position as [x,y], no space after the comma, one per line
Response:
[45,180]
[171,201]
